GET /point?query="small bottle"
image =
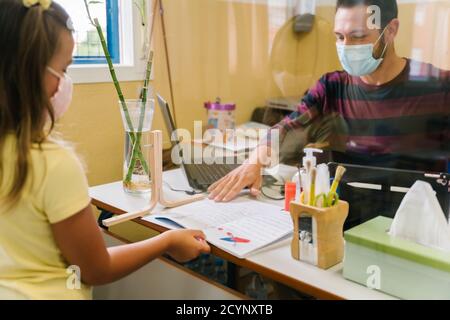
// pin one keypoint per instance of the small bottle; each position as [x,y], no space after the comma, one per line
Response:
[289,194]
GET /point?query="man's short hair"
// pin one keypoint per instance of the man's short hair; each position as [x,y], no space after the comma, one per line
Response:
[388,8]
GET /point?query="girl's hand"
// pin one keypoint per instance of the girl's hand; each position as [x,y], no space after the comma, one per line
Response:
[185,245]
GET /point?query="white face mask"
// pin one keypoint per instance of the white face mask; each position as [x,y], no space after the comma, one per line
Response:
[358,60]
[63,96]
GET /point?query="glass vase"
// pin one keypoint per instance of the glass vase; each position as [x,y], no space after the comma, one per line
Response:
[137,119]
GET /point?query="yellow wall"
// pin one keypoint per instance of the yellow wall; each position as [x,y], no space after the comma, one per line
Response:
[425,28]
[235,51]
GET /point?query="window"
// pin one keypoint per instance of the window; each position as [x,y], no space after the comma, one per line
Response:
[88,49]
[126,37]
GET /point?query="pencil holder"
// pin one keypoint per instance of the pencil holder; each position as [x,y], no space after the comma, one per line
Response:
[318,233]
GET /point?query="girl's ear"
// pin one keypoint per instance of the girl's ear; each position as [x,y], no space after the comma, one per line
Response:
[51,84]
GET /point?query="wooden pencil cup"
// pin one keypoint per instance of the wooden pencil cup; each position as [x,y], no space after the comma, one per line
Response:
[318,234]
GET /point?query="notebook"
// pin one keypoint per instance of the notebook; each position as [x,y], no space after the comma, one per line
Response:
[240,227]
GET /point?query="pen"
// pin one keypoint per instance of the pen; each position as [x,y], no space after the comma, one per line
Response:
[369,186]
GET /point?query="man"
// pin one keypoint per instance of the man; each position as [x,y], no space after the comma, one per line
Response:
[380,105]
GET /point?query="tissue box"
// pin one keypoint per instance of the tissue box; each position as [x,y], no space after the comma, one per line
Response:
[397,267]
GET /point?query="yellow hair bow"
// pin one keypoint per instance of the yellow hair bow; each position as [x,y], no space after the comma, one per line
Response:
[45,4]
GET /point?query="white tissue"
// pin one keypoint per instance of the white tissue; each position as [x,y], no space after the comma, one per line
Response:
[420,218]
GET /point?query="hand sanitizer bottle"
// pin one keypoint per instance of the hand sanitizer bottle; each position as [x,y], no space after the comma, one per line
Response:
[303,177]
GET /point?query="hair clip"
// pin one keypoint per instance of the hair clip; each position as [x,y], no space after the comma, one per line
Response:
[45,4]
[69,25]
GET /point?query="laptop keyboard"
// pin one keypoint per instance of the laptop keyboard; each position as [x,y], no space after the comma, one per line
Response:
[206,175]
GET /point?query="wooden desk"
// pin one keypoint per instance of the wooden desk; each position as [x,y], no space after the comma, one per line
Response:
[274,262]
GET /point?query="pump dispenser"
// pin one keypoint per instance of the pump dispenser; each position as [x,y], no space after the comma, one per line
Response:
[310,156]
[303,178]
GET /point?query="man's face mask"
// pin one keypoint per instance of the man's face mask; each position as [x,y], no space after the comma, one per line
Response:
[63,97]
[358,60]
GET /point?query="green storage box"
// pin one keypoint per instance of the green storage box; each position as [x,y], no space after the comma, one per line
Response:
[397,267]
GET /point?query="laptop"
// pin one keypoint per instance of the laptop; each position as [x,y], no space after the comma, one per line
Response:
[200,176]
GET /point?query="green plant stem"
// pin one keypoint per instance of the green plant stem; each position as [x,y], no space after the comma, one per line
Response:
[141,116]
[136,152]
[122,102]
[142,7]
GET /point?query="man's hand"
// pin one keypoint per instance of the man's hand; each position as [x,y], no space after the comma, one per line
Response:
[227,188]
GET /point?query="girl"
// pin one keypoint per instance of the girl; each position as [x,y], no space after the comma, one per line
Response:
[46,222]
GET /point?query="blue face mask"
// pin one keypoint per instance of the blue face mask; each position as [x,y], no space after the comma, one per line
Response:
[358,60]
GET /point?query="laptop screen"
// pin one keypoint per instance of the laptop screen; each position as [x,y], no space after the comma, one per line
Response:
[170,125]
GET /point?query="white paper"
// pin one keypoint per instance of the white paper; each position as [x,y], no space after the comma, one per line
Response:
[237,144]
[239,227]
[242,237]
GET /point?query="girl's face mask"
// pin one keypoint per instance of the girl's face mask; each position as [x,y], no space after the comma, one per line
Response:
[63,96]
[358,60]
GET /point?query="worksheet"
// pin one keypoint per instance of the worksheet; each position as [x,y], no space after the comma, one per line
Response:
[239,227]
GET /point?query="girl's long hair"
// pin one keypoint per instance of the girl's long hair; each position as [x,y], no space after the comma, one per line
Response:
[29,37]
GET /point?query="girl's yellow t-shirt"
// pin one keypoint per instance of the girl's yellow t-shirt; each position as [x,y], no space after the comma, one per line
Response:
[31,264]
